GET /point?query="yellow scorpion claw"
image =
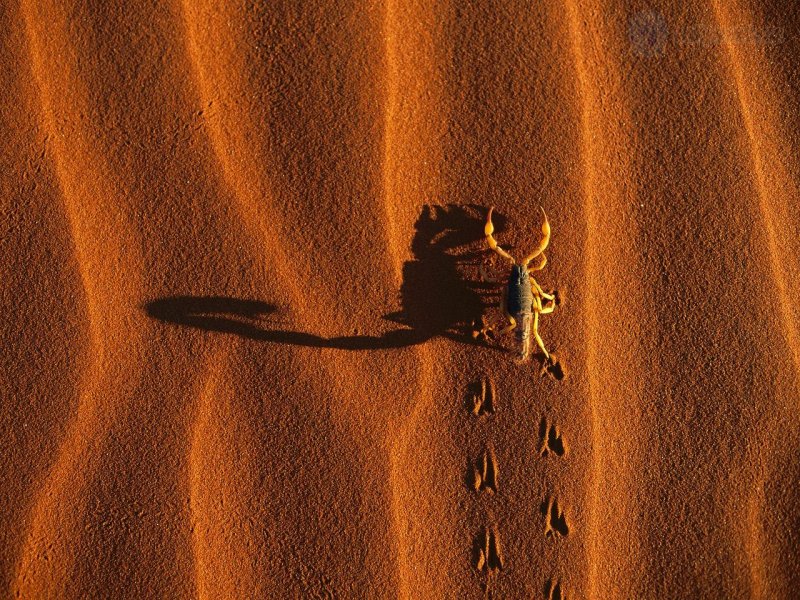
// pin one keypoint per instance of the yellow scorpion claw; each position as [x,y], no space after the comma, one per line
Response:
[488,230]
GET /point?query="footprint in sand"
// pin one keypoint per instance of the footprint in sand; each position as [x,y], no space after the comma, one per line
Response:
[487,551]
[555,521]
[483,401]
[552,368]
[552,590]
[550,439]
[485,472]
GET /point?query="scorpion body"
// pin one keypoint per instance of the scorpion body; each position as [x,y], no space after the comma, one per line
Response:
[519,304]
[523,299]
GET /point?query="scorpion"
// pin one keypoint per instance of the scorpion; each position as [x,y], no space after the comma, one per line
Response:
[523,299]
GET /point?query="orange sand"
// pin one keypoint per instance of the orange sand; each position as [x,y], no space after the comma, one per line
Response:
[240,270]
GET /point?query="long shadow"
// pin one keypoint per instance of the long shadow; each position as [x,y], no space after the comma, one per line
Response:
[436,298]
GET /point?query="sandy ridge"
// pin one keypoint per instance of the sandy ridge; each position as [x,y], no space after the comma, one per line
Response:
[775,190]
[46,552]
[253,192]
[243,169]
[611,272]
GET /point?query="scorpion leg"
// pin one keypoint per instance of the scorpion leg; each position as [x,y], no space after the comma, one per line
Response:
[486,330]
[484,274]
[542,244]
[537,336]
[546,310]
[511,326]
[488,230]
[504,307]
[542,293]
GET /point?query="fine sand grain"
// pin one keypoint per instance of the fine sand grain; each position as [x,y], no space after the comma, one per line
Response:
[241,246]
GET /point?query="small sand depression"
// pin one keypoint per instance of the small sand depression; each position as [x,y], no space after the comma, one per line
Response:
[242,246]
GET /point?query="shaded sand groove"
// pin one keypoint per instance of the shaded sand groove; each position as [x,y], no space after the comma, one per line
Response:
[241,151]
[241,156]
[118,501]
[250,157]
[224,565]
[409,181]
[238,164]
[47,556]
[219,517]
[709,402]
[396,448]
[312,158]
[776,192]
[768,151]
[216,68]
[611,271]
[43,328]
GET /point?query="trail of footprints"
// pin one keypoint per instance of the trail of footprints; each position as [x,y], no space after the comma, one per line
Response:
[483,477]
[483,473]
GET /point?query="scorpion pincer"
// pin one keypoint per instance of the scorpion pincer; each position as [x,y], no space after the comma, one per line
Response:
[523,299]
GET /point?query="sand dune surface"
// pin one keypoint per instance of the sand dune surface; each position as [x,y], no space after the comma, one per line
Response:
[242,282]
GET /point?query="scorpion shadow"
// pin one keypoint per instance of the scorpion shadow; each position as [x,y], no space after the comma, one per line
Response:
[436,298]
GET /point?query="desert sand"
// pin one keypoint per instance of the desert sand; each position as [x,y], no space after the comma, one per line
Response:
[241,246]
